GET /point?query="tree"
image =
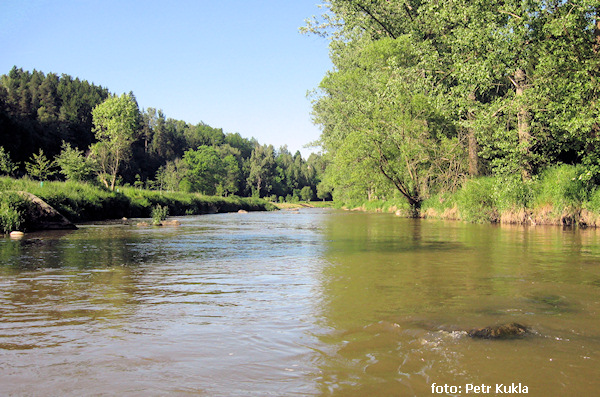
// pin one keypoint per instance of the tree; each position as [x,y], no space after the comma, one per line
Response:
[381,116]
[40,167]
[307,194]
[74,165]
[205,169]
[170,175]
[231,176]
[7,166]
[262,167]
[115,123]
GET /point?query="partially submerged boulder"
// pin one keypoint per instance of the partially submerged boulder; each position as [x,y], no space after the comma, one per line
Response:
[504,331]
[42,216]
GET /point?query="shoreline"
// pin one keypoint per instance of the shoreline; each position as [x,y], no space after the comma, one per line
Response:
[542,216]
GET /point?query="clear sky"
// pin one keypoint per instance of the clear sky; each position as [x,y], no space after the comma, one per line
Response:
[240,65]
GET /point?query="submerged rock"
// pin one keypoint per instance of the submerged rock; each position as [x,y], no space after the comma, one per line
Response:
[504,331]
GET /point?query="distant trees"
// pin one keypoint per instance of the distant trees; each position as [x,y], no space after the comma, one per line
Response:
[89,134]
[39,111]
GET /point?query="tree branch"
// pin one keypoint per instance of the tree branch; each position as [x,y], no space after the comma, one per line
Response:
[369,13]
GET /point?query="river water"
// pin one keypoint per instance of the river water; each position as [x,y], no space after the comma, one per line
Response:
[315,303]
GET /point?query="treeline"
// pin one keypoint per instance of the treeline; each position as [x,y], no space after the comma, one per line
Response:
[60,127]
[427,95]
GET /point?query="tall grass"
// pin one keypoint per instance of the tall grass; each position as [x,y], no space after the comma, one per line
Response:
[81,202]
[559,195]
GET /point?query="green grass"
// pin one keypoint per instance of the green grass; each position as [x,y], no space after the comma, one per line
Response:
[81,202]
[559,195]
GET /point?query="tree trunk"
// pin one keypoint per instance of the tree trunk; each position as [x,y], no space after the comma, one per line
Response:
[523,125]
[597,32]
[472,142]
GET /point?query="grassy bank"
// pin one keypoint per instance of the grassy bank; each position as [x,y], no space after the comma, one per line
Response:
[562,195]
[81,202]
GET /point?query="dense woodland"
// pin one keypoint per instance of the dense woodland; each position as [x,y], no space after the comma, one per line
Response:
[60,127]
[427,95]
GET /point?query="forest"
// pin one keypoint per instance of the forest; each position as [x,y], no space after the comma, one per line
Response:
[62,128]
[492,105]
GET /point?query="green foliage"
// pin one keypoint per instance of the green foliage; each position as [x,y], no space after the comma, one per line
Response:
[512,192]
[380,117]
[262,168]
[170,176]
[159,214]
[115,123]
[81,202]
[593,203]
[128,146]
[7,167]
[74,165]
[40,167]
[563,187]
[205,169]
[307,194]
[421,89]
[13,212]
[477,202]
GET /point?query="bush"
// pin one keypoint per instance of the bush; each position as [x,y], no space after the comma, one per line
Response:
[476,201]
[511,192]
[563,187]
[159,214]
[14,211]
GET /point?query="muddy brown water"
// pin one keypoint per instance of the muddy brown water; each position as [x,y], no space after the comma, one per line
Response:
[315,303]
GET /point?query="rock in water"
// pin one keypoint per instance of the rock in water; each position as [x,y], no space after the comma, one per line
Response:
[43,216]
[504,331]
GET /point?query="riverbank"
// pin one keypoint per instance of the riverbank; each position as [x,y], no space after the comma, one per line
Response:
[304,204]
[81,202]
[560,196]
[544,215]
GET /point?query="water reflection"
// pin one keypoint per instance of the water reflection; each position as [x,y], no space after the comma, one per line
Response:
[316,303]
[399,295]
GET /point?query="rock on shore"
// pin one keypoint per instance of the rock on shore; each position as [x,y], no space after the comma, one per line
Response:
[43,216]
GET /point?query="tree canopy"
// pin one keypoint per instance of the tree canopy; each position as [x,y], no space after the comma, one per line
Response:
[426,93]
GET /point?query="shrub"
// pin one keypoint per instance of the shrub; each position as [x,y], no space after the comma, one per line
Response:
[511,192]
[14,211]
[159,214]
[563,187]
[476,201]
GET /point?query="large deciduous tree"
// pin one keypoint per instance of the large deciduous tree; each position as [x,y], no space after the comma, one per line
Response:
[115,123]
[262,169]
[422,90]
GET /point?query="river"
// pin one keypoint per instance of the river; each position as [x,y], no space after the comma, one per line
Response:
[314,303]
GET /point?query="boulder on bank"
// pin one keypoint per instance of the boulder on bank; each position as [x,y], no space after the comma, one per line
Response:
[42,216]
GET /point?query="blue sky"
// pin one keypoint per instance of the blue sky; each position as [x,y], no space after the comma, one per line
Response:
[240,65]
